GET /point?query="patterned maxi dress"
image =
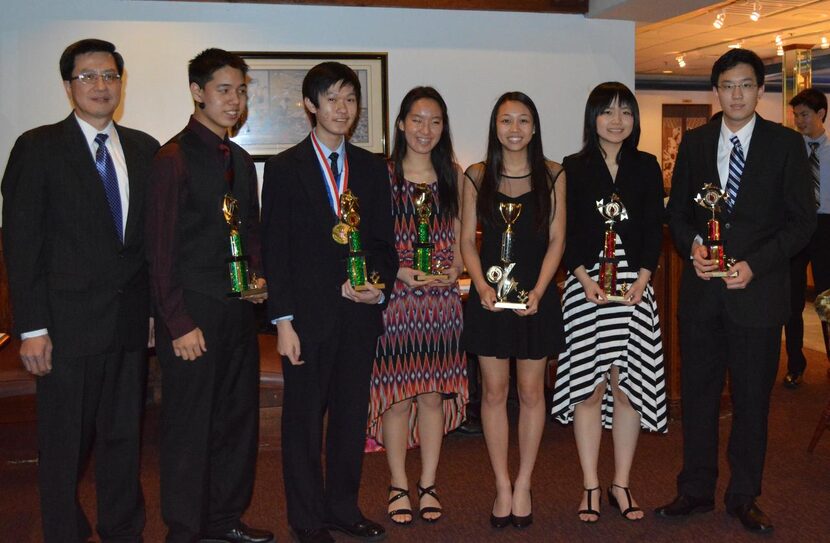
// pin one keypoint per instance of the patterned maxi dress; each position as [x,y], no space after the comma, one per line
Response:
[419,351]
[598,337]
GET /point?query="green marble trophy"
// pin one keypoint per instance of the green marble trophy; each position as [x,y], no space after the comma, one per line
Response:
[424,249]
[347,232]
[243,284]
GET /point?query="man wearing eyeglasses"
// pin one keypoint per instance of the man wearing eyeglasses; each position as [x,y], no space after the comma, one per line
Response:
[73,239]
[733,323]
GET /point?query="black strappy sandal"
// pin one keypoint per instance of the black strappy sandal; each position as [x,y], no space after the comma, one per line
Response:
[614,503]
[424,510]
[401,493]
[590,510]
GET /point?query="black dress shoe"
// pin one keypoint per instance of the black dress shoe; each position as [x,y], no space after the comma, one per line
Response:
[684,505]
[364,529]
[792,379]
[499,522]
[470,427]
[320,535]
[752,518]
[241,534]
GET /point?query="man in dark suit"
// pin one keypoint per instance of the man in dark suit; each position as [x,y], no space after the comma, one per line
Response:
[327,331]
[73,234]
[206,341]
[810,111]
[734,323]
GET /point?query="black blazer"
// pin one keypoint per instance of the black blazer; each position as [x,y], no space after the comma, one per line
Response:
[304,266]
[639,184]
[68,271]
[772,219]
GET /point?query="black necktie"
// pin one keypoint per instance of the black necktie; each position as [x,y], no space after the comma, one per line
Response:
[333,159]
[814,170]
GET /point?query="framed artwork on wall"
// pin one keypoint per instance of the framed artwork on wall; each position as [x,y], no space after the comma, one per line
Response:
[677,119]
[276,119]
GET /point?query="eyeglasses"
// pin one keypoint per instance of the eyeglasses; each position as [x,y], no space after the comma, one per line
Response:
[729,87]
[91,78]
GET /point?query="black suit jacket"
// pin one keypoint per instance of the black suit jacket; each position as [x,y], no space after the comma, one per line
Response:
[68,271]
[639,184]
[772,219]
[304,267]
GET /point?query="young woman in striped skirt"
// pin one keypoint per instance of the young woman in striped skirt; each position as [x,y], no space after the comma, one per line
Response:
[610,374]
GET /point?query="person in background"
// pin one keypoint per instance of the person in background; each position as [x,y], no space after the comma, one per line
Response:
[73,238]
[733,323]
[419,380]
[515,172]
[810,112]
[206,341]
[610,374]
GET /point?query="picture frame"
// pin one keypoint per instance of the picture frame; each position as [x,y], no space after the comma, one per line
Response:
[276,118]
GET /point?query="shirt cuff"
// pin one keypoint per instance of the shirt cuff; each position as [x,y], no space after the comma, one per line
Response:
[699,240]
[34,333]
[382,298]
[285,318]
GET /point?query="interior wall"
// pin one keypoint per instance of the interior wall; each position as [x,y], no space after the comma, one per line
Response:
[471,57]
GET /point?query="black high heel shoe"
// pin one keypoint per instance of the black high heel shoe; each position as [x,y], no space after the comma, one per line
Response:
[614,503]
[526,520]
[590,510]
[401,493]
[499,522]
[424,510]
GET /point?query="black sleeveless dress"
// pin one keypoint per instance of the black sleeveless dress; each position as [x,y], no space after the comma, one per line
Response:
[505,334]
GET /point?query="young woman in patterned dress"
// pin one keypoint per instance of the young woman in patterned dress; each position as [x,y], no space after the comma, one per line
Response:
[611,371]
[419,379]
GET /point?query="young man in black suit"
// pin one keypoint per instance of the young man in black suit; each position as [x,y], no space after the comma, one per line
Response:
[73,235]
[327,331]
[206,341]
[734,323]
[810,111]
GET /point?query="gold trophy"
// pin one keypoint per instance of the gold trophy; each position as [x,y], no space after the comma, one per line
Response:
[710,197]
[424,250]
[346,232]
[500,275]
[243,284]
[613,212]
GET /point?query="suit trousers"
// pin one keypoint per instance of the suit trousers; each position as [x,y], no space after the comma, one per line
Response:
[334,379]
[710,349]
[209,421]
[85,402]
[816,252]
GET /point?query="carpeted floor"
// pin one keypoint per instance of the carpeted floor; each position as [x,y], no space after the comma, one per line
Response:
[796,485]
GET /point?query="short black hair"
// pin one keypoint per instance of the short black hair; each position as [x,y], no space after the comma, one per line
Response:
[200,70]
[321,77]
[732,58]
[83,47]
[813,99]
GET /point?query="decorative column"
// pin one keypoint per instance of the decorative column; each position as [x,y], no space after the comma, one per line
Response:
[796,75]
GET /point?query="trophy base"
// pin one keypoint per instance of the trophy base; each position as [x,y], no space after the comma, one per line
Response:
[615,298]
[431,276]
[722,274]
[249,293]
[510,305]
[361,288]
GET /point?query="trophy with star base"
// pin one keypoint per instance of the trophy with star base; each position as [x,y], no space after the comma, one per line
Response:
[500,275]
[243,284]
[614,211]
[347,232]
[424,249]
[710,197]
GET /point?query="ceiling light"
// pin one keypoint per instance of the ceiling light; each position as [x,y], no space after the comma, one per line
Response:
[779,51]
[736,45]
[778,41]
[720,18]
[824,43]
[756,12]
[681,60]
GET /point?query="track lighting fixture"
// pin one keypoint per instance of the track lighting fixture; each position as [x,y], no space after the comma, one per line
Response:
[756,12]
[720,18]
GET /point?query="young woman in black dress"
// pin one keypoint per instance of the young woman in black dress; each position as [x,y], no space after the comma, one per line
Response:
[515,172]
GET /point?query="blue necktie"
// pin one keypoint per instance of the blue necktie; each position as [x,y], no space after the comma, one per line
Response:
[106,169]
[814,171]
[736,169]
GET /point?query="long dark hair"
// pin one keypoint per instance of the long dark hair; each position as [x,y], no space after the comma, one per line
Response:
[541,181]
[601,98]
[442,156]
